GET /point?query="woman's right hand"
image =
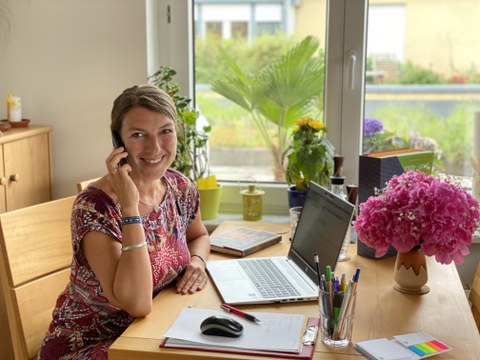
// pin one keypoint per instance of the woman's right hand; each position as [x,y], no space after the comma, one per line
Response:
[121,182]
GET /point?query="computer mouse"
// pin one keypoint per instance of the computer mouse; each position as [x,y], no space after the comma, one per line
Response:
[221,326]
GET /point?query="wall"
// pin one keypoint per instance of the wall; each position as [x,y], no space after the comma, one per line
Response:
[68,60]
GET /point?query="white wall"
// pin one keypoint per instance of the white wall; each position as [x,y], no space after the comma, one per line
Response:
[68,60]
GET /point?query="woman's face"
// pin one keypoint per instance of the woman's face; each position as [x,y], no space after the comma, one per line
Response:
[151,142]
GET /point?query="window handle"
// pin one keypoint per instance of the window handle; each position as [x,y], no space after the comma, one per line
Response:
[352,61]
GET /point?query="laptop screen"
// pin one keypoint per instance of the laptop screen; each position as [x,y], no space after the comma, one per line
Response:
[321,229]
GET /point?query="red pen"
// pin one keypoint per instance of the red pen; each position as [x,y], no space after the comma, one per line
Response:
[238,312]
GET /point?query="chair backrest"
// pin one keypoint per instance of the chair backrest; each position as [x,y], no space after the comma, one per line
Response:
[35,258]
[475,297]
[83,184]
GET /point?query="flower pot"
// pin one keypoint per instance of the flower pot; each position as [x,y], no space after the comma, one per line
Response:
[210,202]
[296,197]
[410,273]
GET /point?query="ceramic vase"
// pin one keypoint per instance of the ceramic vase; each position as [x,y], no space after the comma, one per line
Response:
[410,273]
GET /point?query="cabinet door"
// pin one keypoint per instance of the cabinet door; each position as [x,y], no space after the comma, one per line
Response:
[3,184]
[28,171]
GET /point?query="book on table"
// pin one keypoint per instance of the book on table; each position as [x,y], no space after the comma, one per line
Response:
[242,241]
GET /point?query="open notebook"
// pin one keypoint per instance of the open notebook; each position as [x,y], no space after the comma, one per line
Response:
[321,229]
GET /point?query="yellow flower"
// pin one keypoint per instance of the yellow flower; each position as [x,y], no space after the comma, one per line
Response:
[308,122]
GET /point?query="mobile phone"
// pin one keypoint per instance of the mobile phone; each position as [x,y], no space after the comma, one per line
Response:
[117,142]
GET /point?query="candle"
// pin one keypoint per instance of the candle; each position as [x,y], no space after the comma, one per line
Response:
[14,109]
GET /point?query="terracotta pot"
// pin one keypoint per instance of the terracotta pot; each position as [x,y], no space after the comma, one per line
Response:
[410,273]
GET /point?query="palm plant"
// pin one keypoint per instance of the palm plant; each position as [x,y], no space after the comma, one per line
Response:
[276,95]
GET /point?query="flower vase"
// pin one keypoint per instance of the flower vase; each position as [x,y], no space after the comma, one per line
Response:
[410,273]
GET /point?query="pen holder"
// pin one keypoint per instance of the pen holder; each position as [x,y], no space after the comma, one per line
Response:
[337,311]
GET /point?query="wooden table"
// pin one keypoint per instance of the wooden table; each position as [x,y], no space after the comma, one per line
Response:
[380,310]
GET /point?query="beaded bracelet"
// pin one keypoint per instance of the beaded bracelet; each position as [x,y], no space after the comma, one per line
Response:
[200,257]
[134,246]
[127,220]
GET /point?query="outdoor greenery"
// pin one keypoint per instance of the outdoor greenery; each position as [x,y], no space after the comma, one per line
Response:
[452,133]
[232,125]
[209,62]
[289,88]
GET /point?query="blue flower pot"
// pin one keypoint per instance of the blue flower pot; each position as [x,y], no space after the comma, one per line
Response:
[296,197]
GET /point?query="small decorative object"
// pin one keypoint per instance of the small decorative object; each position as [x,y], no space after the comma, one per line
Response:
[252,203]
[14,108]
[309,156]
[419,211]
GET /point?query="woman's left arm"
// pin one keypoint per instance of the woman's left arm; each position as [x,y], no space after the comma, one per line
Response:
[195,275]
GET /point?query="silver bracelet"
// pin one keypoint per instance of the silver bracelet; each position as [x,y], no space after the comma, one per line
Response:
[200,257]
[127,220]
[134,246]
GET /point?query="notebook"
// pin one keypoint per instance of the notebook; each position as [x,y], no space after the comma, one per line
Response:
[321,229]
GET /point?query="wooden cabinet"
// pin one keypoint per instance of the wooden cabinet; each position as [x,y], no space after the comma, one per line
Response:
[25,179]
[25,167]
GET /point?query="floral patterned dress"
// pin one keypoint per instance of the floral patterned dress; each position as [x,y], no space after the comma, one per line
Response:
[84,323]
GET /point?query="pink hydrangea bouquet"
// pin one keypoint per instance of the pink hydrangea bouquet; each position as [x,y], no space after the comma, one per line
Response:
[419,210]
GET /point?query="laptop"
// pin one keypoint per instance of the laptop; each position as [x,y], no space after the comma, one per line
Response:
[321,229]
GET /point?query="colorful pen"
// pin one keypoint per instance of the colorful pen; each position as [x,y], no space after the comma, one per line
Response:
[239,312]
[330,287]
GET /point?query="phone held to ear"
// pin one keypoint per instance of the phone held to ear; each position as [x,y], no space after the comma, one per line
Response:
[117,142]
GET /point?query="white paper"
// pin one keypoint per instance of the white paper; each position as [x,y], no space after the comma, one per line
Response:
[277,332]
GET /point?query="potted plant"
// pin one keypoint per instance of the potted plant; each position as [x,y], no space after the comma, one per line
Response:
[276,95]
[192,146]
[308,157]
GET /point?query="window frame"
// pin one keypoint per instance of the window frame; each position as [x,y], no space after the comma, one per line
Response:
[170,32]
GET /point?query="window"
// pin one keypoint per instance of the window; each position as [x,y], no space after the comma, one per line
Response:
[343,108]
[213,29]
[423,83]
[240,29]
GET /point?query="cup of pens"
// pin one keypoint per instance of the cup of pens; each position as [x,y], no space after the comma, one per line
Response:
[337,309]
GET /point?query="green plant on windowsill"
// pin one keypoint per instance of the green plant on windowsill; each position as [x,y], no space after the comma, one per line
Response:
[192,150]
[309,156]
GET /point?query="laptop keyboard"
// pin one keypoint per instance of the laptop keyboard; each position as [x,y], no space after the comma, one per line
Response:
[268,280]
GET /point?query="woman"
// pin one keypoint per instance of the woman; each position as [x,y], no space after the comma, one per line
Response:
[134,231]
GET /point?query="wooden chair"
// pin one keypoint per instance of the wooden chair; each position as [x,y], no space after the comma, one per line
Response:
[83,184]
[35,258]
[475,297]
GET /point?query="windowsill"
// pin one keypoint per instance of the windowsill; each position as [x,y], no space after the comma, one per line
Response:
[231,216]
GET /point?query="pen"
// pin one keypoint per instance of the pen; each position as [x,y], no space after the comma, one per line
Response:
[238,312]
[315,257]
[352,288]
[330,289]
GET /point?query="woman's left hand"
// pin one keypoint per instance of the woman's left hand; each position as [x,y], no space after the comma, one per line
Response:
[194,279]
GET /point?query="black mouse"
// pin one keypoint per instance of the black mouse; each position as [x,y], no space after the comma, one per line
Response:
[221,326]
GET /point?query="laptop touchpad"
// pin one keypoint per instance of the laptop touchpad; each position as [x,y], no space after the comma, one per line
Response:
[230,273]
